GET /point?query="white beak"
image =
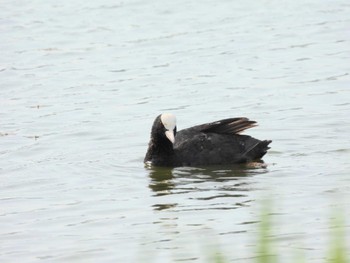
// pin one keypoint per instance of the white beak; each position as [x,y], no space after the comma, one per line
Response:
[170,136]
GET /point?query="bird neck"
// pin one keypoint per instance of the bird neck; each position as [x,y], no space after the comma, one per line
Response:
[162,146]
[160,152]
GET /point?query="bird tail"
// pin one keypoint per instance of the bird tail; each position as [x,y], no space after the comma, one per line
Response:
[258,150]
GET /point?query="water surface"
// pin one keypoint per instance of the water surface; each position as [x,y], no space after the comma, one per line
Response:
[81,83]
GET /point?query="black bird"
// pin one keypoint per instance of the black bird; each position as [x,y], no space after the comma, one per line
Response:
[215,143]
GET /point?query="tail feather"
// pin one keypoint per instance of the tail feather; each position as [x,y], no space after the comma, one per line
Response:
[258,150]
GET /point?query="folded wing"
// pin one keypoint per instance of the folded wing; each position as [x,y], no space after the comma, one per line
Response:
[227,126]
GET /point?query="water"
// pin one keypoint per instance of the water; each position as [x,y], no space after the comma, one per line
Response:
[81,83]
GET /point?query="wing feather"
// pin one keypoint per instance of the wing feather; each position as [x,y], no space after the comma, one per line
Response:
[227,126]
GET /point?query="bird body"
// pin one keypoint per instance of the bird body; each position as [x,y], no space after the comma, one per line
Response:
[215,143]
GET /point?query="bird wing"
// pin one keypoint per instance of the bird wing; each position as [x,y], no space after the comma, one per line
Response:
[227,126]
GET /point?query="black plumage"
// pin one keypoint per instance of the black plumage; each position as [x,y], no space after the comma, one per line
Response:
[215,143]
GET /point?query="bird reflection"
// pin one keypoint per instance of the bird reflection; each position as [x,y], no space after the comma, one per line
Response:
[203,183]
[161,180]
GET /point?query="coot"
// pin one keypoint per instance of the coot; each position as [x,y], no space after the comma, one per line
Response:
[215,143]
